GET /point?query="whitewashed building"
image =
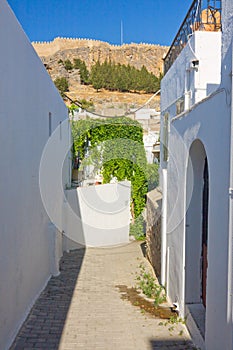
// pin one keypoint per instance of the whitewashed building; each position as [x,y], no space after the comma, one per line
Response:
[149,139]
[30,110]
[197,172]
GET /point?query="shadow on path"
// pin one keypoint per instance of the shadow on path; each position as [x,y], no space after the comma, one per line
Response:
[172,345]
[44,325]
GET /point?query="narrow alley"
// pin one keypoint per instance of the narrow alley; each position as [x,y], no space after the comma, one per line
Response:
[82,308]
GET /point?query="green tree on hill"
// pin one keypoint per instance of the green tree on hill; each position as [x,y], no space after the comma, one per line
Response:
[62,85]
[115,77]
[83,71]
[68,65]
[96,76]
[122,78]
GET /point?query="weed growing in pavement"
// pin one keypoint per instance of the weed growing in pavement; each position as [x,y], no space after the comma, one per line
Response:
[149,286]
[173,320]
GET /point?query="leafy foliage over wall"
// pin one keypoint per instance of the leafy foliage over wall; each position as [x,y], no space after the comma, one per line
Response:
[115,147]
[152,174]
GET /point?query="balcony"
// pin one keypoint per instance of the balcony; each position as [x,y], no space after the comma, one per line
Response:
[203,15]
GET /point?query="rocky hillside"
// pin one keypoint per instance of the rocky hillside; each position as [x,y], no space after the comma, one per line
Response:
[91,51]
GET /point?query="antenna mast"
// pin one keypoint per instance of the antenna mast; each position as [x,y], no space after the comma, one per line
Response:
[122,41]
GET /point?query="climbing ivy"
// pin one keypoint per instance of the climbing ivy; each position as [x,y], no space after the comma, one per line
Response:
[115,147]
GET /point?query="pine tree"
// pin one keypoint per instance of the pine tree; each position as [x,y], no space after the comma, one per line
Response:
[96,77]
[62,85]
[83,71]
[68,65]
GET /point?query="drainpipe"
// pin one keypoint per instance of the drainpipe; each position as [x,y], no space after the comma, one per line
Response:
[164,229]
[70,142]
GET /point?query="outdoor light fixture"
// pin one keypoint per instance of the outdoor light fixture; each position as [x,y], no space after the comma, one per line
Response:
[195,64]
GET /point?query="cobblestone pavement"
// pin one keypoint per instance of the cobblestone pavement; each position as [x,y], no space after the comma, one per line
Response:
[82,308]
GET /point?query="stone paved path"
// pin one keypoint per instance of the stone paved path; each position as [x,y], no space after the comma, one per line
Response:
[83,309]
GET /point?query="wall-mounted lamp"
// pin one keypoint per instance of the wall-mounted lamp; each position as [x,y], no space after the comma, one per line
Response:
[194,64]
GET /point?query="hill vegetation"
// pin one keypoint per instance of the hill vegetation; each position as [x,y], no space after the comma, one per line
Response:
[110,76]
[114,148]
[119,77]
[63,58]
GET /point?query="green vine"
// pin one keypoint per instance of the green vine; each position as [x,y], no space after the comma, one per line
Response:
[115,148]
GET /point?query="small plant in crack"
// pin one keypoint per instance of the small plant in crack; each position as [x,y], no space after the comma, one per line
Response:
[174,320]
[149,286]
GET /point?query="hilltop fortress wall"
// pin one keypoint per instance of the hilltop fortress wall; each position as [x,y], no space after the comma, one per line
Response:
[47,48]
[93,50]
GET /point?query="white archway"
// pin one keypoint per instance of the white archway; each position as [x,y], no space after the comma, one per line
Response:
[196,228]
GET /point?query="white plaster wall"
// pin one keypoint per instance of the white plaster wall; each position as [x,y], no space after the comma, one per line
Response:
[196,125]
[98,215]
[145,113]
[227,29]
[202,46]
[27,95]
[210,122]
[148,141]
[227,64]
[208,51]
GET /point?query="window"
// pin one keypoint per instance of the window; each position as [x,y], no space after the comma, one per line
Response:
[180,106]
[50,124]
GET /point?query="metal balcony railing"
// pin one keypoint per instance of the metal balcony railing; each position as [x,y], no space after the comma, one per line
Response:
[203,15]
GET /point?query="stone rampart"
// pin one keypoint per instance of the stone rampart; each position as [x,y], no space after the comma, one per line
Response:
[90,51]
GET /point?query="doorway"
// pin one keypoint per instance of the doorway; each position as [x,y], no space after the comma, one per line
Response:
[205,205]
[196,234]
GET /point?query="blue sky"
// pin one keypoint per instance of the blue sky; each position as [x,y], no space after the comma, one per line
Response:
[149,21]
